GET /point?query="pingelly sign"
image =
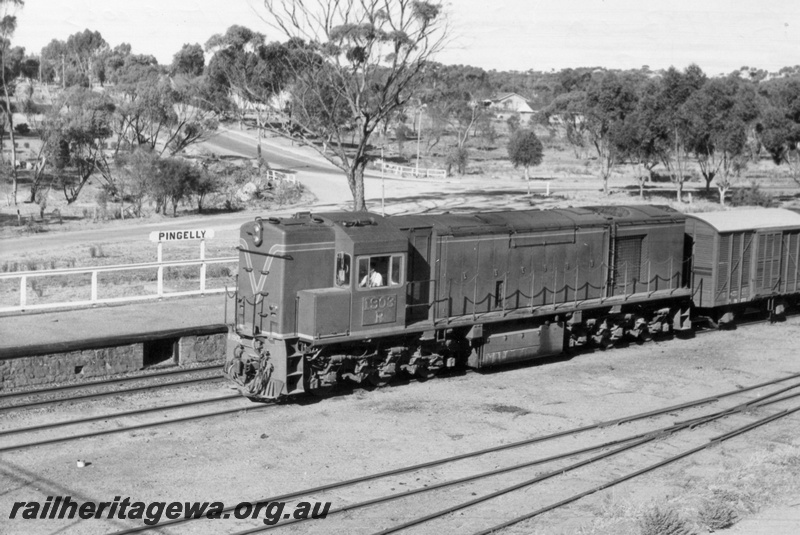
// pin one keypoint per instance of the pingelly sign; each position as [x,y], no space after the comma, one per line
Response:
[159,236]
[162,236]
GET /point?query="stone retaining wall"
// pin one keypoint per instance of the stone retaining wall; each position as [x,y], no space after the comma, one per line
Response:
[45,369]
[201,348]
[42,370]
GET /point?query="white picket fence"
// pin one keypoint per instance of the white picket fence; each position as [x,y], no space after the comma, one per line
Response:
[95,299]
[412,172]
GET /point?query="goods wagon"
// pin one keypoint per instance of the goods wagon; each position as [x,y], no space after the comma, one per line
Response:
[744,260]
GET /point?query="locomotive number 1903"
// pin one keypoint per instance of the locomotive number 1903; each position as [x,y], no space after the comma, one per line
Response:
[384,301]
[379,309]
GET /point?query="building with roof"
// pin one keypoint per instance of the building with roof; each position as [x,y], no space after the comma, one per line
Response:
[507,104]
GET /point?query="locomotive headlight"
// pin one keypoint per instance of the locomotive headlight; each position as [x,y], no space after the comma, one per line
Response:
[257,232]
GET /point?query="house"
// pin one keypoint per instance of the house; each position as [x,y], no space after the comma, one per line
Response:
[508,103]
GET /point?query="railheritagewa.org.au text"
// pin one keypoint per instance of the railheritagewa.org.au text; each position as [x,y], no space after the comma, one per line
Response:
[152,513]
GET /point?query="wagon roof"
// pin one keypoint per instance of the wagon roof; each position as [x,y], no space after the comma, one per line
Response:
[750,219]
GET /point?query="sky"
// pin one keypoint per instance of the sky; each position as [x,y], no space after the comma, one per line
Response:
[718,35]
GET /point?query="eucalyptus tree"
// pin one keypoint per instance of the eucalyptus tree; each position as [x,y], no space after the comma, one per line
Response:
[80,60]
[53,62]
[666,117]
[8,25]
[637,139]
[165,114]
[249,70]
[566,110]
[236,65]
[84,51]
[174,180]
[453,97]
[610,99]
[354,64]
[718,117]
[189,60]
[73,137]
[778,126]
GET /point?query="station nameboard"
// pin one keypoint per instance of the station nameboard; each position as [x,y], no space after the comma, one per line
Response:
[181,235]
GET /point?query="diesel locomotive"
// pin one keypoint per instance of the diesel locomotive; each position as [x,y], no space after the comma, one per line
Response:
[322,298]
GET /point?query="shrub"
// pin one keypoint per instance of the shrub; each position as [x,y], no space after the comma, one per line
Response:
[752,195]
[102,198]
[22,128]
[457,158]
[214,271]
[37,288]
[717,514]
[663,522]
[286,192]
[34,227]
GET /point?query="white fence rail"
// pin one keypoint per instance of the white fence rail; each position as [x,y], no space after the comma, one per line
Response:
[160,293]
[413,172]
[272,174]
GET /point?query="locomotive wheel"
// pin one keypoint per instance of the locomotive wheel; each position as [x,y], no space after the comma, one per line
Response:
[375,379]
[419,371]
[317,388]
[321,391]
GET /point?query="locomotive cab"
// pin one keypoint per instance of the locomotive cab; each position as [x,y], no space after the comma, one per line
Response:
[368,274]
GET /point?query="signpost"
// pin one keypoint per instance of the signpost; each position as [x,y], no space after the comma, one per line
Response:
[161,236]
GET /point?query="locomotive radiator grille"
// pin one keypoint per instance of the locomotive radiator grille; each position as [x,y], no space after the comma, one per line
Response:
[627,265]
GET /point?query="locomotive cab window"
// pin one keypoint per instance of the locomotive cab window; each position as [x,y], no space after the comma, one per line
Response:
[342,269]
[380,270]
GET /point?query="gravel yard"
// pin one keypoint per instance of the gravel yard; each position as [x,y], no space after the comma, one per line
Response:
[277,449]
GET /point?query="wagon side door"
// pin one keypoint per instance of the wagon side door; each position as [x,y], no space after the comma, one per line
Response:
[768,263]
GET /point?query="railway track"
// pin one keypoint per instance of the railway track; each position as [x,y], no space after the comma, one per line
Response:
[607,450]
[158,381]
[125,429]
[161,380]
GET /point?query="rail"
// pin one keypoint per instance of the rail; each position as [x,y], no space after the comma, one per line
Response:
[94,299]
[414,172]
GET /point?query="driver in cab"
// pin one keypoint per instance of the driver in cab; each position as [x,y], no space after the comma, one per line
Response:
[373,279]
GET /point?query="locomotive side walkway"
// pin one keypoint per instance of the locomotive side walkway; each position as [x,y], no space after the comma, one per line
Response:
[44,333]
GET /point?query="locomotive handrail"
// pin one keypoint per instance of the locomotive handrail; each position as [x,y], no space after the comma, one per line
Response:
[548,294]
[23,277]
[262,253]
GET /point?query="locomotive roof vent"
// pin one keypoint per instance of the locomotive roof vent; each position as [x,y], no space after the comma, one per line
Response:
[358,222]
[612,211]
